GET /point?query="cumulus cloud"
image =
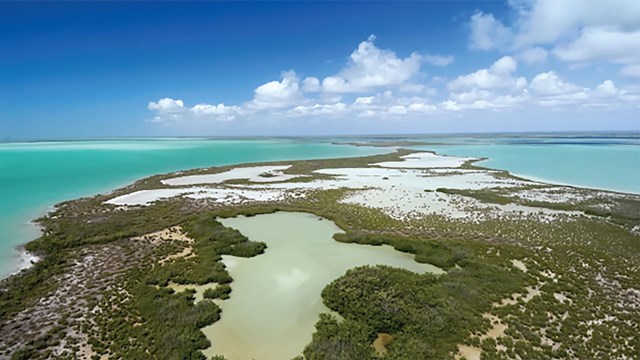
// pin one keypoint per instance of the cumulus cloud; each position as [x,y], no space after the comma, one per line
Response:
[275,94]
[311,84]
[552,90]
[495,77]
[420,107]
[370,67]
[607,89]
[602,44]
[166,105]
[364,100]
[534,55]
[438,60]
[318,109]
[169,111]
[487,33]
[376,83]
[549,83]
[576,31]
[547,22]
[220,109]
[219,112]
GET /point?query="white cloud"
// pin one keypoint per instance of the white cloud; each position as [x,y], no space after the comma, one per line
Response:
[370,67]
[496,77]
[534,55]
[318,109]
[219,112]
[422,107]
[220,109]
[275,94]
[607,89]
[335,84]
[504,65]
[412,88]
[311,84]
[438,60]
[600,44]
[631,70]
[549,83]
[551,90]
[548,22]
[364,100]
[376,74]
[166,105]
[575,31]
[450,105]
[487,33]
[493,88]
[397,110]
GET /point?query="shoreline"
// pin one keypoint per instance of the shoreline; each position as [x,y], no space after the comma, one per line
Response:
[496,219]
[576,186]
[43,209]
[27,261]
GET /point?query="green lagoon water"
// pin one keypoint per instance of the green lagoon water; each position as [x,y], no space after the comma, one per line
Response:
[35,176]
[276,298]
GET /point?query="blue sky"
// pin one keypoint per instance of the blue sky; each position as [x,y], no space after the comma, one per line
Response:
[77,70]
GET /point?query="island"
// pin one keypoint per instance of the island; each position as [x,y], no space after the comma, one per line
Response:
[405,255]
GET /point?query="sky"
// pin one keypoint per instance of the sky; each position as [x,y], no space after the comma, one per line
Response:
[106,69]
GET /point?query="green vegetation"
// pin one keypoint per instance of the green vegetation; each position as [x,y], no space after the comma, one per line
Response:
[103,278]
[621,209]
[219,292]
[428,315]
[211,240]
[444,255]
[168,324]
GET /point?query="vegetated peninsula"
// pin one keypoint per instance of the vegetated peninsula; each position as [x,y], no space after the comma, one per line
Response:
[513,268]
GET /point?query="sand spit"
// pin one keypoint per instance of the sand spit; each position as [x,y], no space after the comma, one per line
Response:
[426,160]
[226,196]
[401,189]
[253,174]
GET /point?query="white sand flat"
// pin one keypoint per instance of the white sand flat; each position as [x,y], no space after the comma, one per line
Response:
[425,160]
[254,174]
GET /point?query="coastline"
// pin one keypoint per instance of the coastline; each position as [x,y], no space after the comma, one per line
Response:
[503,229]
[18,237]
[606,168]
[573,185]
[25,260]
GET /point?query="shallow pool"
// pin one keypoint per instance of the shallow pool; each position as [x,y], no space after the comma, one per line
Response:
[276,296]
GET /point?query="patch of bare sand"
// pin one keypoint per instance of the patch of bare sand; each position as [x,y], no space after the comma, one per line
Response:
[173,233]
[380,342]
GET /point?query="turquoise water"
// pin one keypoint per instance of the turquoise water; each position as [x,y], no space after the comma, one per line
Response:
[35,176]
[600,166]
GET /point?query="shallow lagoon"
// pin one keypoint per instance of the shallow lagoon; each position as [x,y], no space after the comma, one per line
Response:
[34,176]
[276,296]
[604,166]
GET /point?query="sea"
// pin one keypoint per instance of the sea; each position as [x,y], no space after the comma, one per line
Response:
[34,176]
